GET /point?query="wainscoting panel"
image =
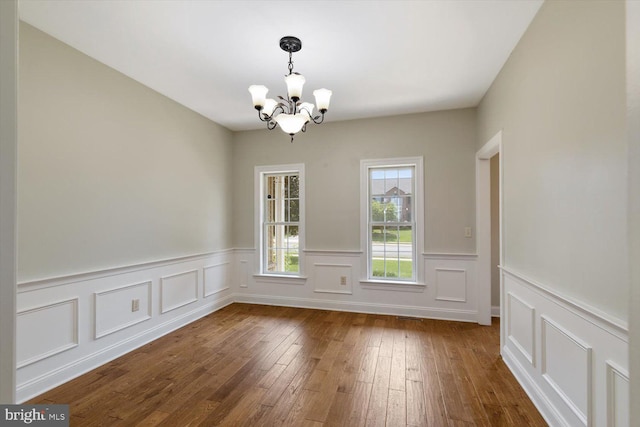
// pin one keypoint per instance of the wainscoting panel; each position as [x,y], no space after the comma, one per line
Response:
[618,396]
[178,290]
[216,278]
[332,278]
[70,325]
[581,378]
[51,328]
[114,308]
[245,269]
[451,284]
[566,366]
[243,273]
[521,328]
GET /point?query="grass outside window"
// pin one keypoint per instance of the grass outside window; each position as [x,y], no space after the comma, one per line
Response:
[405,269]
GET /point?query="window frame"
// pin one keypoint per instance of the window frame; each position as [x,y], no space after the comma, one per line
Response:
[260,174]
[418,221]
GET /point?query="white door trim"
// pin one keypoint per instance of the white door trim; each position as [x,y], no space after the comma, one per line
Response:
[483,225]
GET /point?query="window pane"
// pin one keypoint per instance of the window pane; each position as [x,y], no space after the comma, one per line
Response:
[405,209]
[406,269]
[286,204]
[405,236]
[391,181]
[377,182]
[294,211]
[276,260]
[294,183]
[377,234]
[270,212]
[292,262]
[275,247]
[291,254]
[285,186]
[291,231]
[272,187]
[383,210]
[405,181]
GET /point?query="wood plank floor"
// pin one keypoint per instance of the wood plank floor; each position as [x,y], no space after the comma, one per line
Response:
[253,365]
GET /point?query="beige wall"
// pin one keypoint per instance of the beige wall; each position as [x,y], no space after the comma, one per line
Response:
[332,152]
[111,173]
[560,101]
[633,132]
[495,230]
[8,149]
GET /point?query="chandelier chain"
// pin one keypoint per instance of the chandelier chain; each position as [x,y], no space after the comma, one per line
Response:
[290,63]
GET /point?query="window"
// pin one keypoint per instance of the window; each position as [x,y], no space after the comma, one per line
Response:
[281,228]
[392,213]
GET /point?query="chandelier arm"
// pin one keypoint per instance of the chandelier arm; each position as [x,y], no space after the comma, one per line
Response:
[316,121]
[261,114]
[288,103]
[278,109]
[272,124]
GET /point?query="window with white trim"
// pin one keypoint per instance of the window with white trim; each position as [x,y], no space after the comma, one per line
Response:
[281,221]
[392,218]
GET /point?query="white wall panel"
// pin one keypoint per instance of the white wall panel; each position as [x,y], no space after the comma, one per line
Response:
[178,290]
[566,365]
[114,308]
[243,268]
[329,278]
[451,284]
[618,401]
[521,326]
[46,330]
[216,278]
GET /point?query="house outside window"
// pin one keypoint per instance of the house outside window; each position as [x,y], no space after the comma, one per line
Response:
[391,210]
[281,218]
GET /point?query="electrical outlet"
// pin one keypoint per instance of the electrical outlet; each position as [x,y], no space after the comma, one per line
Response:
[467,232]
[135,305]
[343,280]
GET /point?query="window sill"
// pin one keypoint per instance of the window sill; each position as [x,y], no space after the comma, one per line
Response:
[281,279]
[393,286]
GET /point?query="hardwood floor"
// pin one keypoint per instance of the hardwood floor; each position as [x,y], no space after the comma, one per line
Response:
[253,365]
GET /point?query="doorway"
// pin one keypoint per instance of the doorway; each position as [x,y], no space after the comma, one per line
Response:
[487,270]
[494,166]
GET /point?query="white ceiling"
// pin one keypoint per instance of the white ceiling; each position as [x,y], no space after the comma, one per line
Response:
[379,57]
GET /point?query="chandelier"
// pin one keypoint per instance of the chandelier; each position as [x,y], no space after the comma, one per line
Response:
[290,114]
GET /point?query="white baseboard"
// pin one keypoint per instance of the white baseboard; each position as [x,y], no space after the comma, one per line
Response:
[360,307]
[537,396]
[495,311]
